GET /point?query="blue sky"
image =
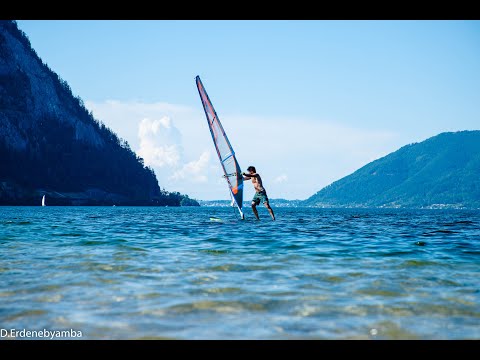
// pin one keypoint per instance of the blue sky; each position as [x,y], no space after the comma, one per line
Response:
[306,102]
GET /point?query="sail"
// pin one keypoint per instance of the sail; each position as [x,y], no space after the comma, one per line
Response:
[43,200]
[226,155]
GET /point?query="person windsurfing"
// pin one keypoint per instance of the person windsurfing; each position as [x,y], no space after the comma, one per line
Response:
[260,192]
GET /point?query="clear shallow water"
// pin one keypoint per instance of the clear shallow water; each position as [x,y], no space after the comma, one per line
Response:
[144,272]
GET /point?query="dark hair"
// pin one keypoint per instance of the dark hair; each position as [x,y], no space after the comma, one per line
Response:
[251,168]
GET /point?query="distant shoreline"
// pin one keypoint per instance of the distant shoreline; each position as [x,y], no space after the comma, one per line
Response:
[300,204]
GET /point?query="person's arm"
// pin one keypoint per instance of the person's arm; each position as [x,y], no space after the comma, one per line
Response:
[249,176]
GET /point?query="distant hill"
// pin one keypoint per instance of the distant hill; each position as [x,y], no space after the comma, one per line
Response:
[440,172]
[51,144]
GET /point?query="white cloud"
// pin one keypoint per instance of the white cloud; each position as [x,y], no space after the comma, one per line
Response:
[160,142]
[281,178]
[195,170]
[124,117]
[176,141]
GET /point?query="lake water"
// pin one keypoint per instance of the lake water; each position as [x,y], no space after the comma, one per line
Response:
[172,273]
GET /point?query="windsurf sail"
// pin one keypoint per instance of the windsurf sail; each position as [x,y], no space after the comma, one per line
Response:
[226,155]
[43,200]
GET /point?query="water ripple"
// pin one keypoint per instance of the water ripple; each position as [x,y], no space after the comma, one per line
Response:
[171,273]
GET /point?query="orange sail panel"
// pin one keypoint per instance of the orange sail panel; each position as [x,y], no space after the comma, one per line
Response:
[226,155]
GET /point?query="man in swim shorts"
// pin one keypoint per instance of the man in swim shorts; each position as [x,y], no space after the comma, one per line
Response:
[260,193]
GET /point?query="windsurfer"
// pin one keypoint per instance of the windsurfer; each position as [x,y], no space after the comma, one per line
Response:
[260,193]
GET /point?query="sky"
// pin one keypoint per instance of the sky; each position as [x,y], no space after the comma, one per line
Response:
[306,102]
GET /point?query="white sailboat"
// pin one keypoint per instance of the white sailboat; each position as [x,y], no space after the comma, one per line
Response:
[43,200]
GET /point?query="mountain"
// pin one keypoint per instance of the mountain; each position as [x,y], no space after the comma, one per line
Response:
[440,172]
[51,144]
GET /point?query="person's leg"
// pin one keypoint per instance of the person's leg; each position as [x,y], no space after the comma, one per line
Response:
[270,210]
[254,208]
